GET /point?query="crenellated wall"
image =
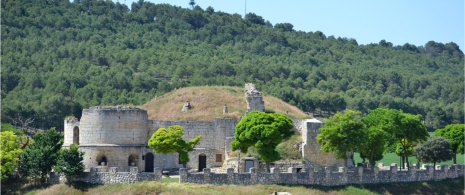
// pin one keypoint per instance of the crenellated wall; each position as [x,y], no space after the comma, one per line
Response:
[325,177]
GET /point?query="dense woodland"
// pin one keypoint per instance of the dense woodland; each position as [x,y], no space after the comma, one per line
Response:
[59,57]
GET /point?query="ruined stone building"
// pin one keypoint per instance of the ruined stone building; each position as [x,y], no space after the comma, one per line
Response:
[118,137]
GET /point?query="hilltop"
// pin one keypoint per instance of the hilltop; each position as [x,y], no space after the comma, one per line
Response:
[207,103]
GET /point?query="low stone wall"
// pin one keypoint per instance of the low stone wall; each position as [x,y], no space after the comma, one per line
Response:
[324,177]
[113,176]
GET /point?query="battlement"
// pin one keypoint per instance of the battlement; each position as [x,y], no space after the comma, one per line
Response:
[325,177]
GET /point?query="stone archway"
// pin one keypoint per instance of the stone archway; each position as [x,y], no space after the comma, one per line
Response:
[102,160]
[149,162]
[202,162]
[76,135]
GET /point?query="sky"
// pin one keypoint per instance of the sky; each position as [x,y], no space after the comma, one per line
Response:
[367,21]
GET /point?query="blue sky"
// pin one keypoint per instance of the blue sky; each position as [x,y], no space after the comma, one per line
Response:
[368,21]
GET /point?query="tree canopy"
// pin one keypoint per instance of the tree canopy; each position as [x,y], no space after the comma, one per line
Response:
[10,150]
[342,134]
[434,150]
[69,161]
[264,131]
[39,158]
[377,136]
[454,133]
[169,140]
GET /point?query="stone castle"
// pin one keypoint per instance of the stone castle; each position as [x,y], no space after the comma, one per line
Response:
[117,137]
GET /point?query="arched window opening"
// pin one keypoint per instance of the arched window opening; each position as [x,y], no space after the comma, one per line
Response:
[76,135]
[133,160]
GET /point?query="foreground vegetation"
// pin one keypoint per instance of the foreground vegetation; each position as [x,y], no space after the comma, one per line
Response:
[171,186]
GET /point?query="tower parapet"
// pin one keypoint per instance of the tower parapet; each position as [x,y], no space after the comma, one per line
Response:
[253,98]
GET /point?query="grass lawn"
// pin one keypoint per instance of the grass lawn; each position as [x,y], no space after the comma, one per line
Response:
[393,158]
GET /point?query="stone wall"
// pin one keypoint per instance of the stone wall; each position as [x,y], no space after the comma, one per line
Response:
[325,177]
[213,142]
[113,176]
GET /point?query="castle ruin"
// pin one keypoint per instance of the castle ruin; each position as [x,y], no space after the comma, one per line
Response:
[118,136]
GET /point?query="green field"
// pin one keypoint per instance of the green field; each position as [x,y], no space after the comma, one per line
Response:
[393,158]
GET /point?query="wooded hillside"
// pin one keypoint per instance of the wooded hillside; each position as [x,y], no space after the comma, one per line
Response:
[60,56]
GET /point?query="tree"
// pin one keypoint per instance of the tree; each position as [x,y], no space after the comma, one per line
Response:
[405,129]
[169,140]
[41,156]
[409,131]
[377,137]
[264,131]
[436,149]
[70,162]
[342,134]
[9,153]
[454,133]
[255,19]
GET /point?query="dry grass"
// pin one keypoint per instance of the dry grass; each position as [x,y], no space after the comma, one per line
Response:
[207,103]
[448,186]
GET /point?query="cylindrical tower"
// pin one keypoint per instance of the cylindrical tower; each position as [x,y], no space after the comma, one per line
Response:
[71,131]
[115,125]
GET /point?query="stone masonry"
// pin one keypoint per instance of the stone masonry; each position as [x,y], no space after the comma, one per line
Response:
[325,177]
[253,98]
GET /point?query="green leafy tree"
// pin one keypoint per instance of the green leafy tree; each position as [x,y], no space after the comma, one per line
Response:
[9,153]
[454,133]
[342,134]
[377,137]
[434,150]
[409,132]
[169,140]
[41,156]
[70,162]
[264,131]
[406,130]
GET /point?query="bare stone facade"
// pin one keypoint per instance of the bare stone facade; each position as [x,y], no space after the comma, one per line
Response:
[253,98]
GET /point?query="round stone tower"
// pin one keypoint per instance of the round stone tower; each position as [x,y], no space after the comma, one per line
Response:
[115,125]
[113,137]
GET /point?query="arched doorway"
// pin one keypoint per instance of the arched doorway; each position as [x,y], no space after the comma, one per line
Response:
[149,162]
[202,162]
[76,135]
